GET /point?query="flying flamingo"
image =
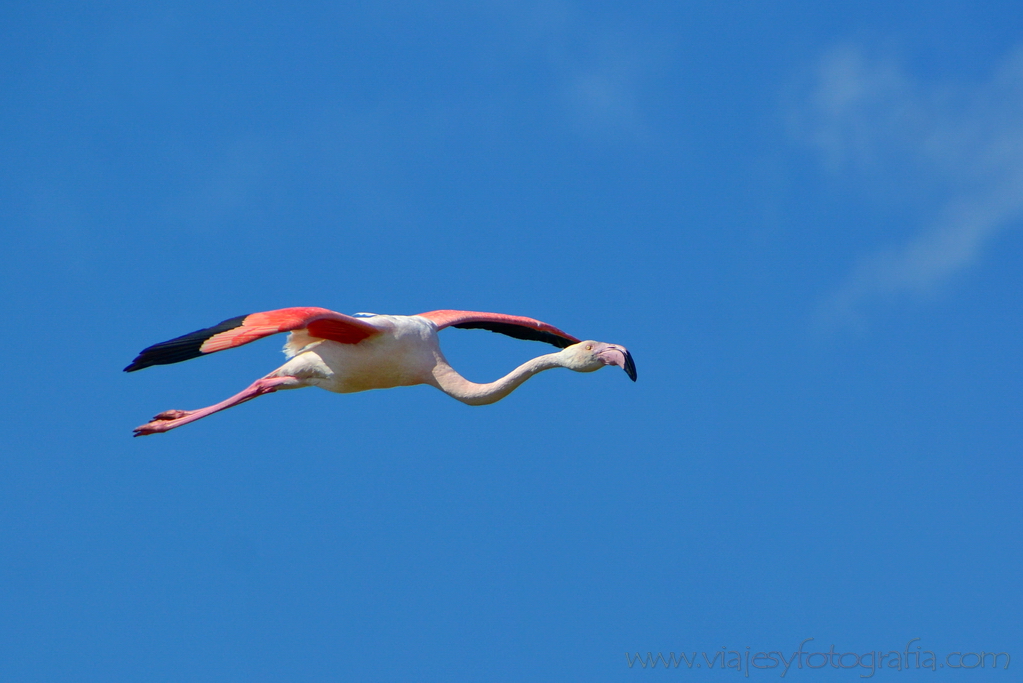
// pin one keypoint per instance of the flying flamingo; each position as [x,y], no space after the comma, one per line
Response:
[344,354]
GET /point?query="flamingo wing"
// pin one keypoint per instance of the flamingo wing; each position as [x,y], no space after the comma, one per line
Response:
[515,326]
[318,322]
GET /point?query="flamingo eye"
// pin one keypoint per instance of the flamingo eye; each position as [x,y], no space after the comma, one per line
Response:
[589,347]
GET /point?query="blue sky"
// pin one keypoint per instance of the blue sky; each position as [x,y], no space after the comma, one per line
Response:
[801,218]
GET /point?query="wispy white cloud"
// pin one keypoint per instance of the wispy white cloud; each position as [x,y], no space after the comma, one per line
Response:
[600,72]
[601,84]
[958,144]
[604,98]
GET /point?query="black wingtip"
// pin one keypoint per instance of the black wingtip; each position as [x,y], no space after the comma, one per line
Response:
[518,332]
[630,366]
[181,348]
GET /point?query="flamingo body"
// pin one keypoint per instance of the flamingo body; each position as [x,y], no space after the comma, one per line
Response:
[347,354]
[403,354]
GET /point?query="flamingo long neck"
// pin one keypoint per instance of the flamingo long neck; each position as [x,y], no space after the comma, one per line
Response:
[456,386]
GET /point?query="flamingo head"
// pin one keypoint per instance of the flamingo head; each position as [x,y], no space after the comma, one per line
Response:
[588,356]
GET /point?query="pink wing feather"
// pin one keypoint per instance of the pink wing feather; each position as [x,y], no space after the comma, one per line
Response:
[319,322]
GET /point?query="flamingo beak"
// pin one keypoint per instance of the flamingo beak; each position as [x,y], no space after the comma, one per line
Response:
[613,354]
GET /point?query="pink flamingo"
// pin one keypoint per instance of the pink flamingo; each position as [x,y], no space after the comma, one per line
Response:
[344,354]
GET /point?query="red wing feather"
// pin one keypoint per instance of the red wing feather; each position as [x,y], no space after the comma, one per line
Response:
[320,322]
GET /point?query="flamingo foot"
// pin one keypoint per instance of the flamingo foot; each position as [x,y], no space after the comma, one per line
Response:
[165,421]
[172,414]
[169,419]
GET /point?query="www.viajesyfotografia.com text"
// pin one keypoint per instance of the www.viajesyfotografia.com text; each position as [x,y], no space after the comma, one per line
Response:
[869,663]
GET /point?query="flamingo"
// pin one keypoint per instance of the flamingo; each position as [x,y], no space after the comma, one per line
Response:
[345,354]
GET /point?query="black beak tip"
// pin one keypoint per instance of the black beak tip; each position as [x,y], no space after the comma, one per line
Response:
[630,366]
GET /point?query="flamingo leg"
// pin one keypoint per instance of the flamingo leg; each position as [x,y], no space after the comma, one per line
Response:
[169,419]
